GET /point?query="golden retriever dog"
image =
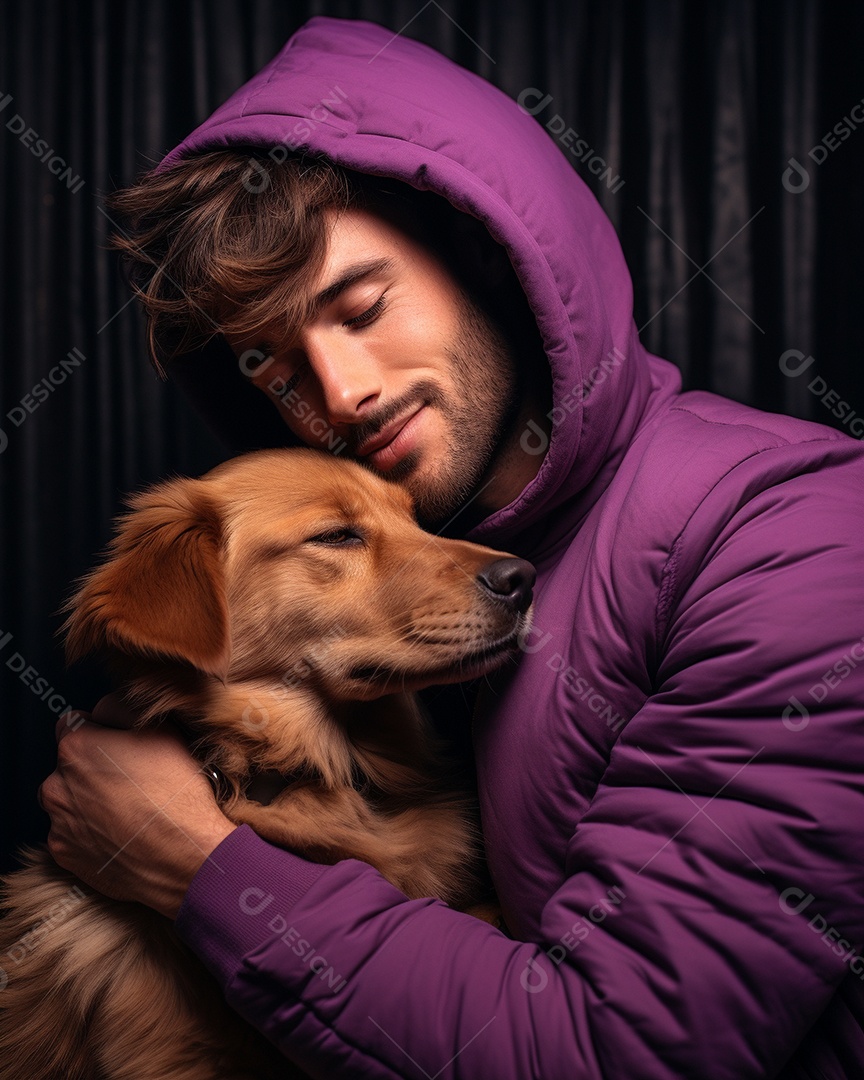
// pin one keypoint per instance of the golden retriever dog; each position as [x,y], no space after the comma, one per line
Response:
[282,609]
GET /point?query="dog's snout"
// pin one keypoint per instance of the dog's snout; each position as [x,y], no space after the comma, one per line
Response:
[510,580]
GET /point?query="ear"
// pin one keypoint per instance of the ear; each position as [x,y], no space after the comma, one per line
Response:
[160,590]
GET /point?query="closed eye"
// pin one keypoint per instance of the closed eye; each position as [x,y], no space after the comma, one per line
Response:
[369,315]
[338,537]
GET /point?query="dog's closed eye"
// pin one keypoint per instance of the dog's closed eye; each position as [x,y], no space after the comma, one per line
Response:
[337,537]
[334,537]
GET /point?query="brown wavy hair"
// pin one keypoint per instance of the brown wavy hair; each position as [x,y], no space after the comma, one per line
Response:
[228,241]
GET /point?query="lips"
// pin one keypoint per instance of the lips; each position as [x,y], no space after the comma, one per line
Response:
[385,435]
[393,442]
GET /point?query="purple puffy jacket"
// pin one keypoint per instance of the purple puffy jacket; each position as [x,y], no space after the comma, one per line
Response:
[672,778]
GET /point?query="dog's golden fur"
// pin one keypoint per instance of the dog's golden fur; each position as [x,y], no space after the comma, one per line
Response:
[282,608]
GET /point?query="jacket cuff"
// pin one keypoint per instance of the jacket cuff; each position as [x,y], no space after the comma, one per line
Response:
[228,907]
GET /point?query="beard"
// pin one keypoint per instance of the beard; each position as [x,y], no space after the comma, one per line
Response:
[480,414]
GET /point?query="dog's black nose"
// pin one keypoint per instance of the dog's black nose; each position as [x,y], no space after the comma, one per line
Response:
[510,580]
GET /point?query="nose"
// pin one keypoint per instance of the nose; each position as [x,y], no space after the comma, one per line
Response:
[510,580]
[349,378]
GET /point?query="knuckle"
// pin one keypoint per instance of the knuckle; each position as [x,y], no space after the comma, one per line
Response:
[55,846]
[69,721]
[45,794]
[59,852]
[51,796]
[67,749]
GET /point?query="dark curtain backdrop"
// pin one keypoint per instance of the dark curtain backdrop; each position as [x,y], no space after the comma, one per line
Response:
[696,109]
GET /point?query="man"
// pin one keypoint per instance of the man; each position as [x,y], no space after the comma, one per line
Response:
[672,779]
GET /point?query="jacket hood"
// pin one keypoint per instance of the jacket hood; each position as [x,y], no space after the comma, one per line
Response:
[383,104]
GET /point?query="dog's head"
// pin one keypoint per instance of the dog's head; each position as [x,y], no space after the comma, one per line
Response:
[290,567]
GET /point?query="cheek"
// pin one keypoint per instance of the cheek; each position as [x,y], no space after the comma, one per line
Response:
[431,336]
[274,616]
[419,333]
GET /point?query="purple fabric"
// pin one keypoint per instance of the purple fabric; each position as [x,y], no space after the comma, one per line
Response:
[676,844]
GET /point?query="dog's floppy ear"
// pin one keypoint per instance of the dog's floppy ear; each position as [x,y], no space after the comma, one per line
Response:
[160,590]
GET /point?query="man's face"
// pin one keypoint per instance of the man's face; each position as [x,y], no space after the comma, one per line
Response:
[397,366]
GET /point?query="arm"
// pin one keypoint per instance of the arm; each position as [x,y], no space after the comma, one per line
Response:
[677,945]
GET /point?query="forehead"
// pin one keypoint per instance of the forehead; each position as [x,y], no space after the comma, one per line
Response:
[294,489]
[358,234]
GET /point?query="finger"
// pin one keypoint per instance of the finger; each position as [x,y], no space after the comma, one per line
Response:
[113,711]
[70,720]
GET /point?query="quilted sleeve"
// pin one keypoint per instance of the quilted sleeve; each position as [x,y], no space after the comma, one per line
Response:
[712,902]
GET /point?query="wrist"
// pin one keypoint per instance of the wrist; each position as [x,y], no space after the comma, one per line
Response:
[197,847]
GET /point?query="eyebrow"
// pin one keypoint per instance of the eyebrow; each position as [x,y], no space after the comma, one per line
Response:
[350,276]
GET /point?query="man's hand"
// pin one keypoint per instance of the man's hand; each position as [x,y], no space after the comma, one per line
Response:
[132,814]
